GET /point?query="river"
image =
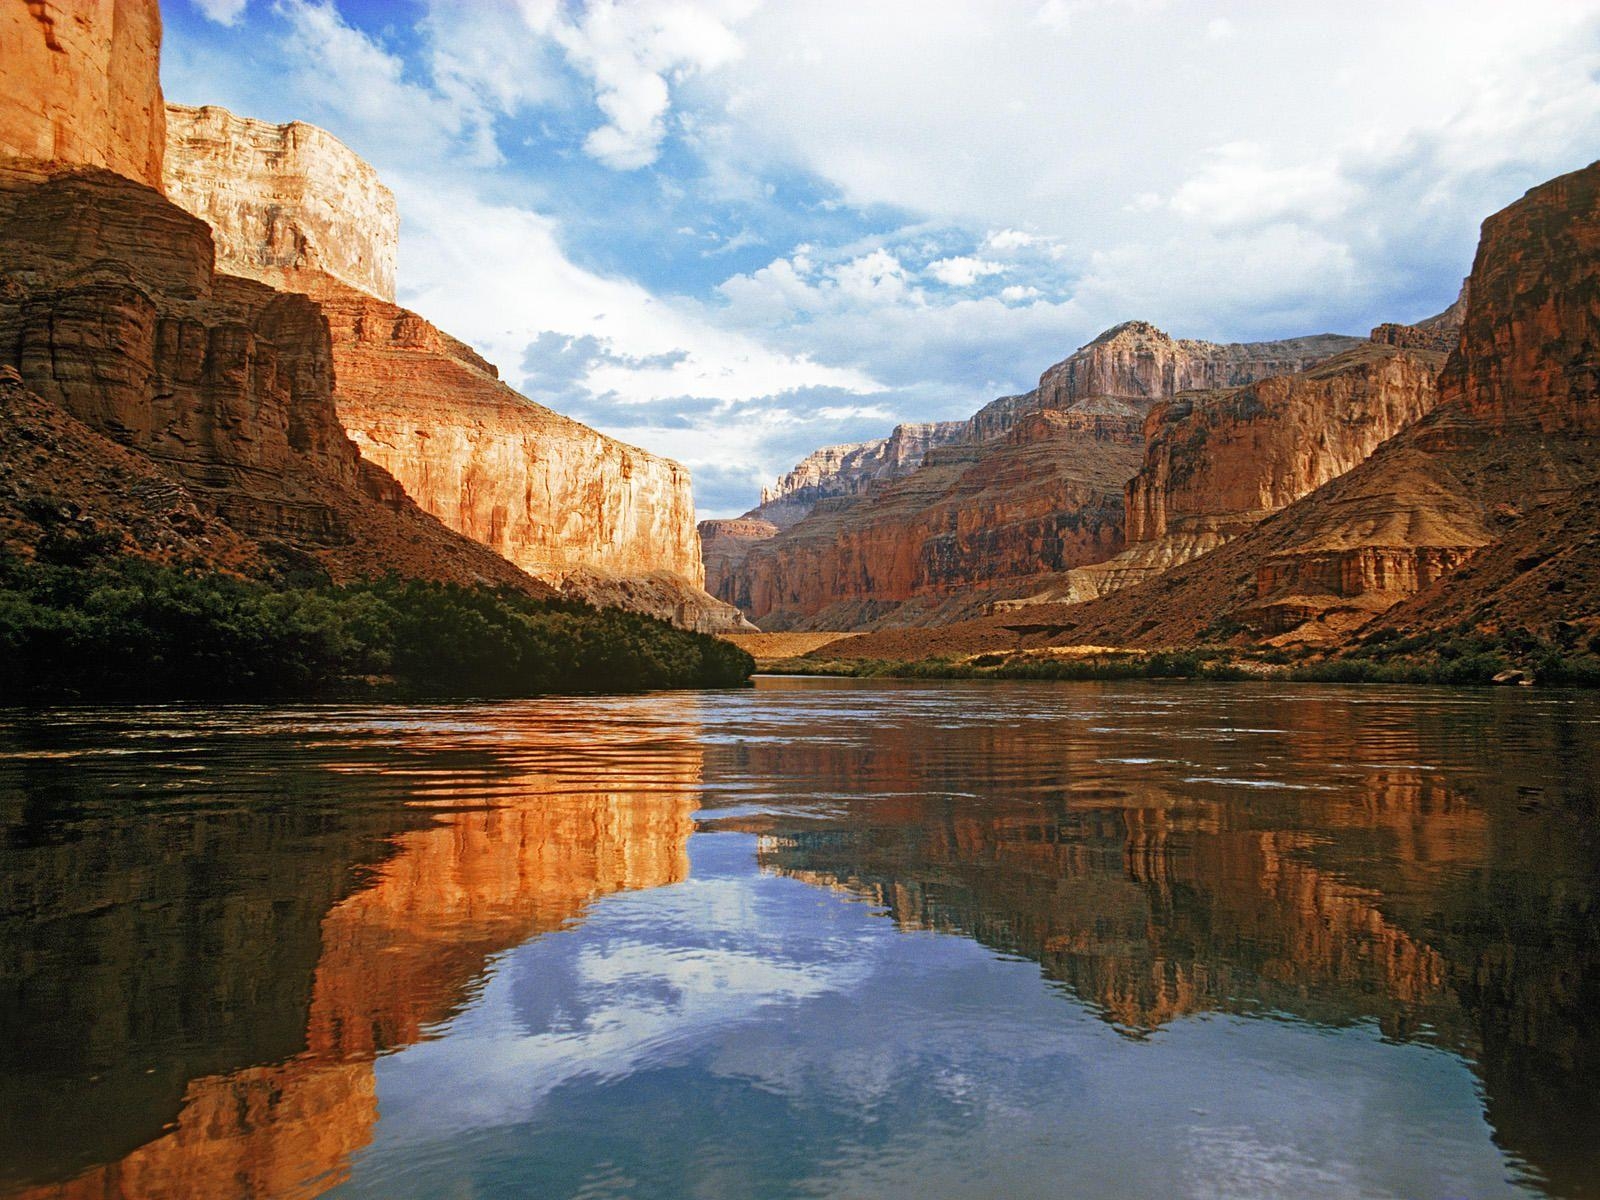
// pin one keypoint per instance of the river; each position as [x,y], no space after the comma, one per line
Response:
[816,938]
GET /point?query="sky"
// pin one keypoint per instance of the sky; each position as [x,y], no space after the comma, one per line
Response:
[732,231]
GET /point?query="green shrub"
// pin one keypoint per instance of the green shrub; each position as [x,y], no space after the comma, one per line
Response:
[125,629]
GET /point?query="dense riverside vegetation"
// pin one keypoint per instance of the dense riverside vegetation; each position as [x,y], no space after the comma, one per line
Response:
[1568,658]
[123,629]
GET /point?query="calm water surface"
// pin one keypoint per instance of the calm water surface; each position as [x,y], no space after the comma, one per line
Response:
[822,938]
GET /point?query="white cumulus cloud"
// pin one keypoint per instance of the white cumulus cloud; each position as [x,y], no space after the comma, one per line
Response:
[963,270]
[223,12]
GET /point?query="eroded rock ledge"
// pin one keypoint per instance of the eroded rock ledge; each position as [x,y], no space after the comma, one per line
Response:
[608,522]
[282,200]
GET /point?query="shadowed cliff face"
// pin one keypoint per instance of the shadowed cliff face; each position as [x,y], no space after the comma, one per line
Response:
[82,84]
[111,315]
[1480,507]
[595,518]
[296,935]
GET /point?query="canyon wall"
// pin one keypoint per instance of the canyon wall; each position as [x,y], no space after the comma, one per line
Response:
[724,546]
[1216,463]
[1479,515]
[82,84]
[1131,366]
[566,504]
[963,514]
[591,516]
[1224,460]
[851,469]
[283,201]
[975,521]
[118,334]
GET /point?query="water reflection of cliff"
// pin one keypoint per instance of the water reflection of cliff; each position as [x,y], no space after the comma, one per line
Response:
[288,980]
[1370,884]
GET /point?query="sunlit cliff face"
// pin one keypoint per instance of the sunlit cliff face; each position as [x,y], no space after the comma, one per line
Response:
[397,956]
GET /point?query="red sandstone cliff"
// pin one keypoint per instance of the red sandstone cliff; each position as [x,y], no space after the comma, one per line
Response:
[128,358]
[1480,514]
[1216,463]
[1027,488]
[82,85]
[977,520]
[592,516]
[120,333]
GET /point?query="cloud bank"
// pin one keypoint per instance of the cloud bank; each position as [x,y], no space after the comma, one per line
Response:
[731,231]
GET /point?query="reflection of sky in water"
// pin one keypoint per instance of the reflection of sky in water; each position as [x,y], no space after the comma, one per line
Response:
[1420,861]
[742,1034]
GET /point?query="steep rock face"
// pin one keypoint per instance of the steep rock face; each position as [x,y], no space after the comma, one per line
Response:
[82,84]
[851,469]
[1519,418]
[1479,514]
[724,546]
[1528,361]
[597,519]
[582,511]
[1217,463]
[282,200]
[1133,365]
[975,522]
[1222,461]
[866,556]
[111,314]
[1121,372]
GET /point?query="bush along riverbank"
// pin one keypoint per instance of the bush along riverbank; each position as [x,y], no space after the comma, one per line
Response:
[1460,658]
[123,629]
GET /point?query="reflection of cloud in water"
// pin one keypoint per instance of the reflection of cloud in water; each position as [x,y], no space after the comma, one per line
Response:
[829,1054]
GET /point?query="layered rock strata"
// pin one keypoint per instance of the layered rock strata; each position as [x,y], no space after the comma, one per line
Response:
[1134,365]
[724,546]
[977,521]
[591,516]
[850,469]
[938,541]
[282,200]
[82,84]
[1217,463]
[1479,515]
[112,316]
